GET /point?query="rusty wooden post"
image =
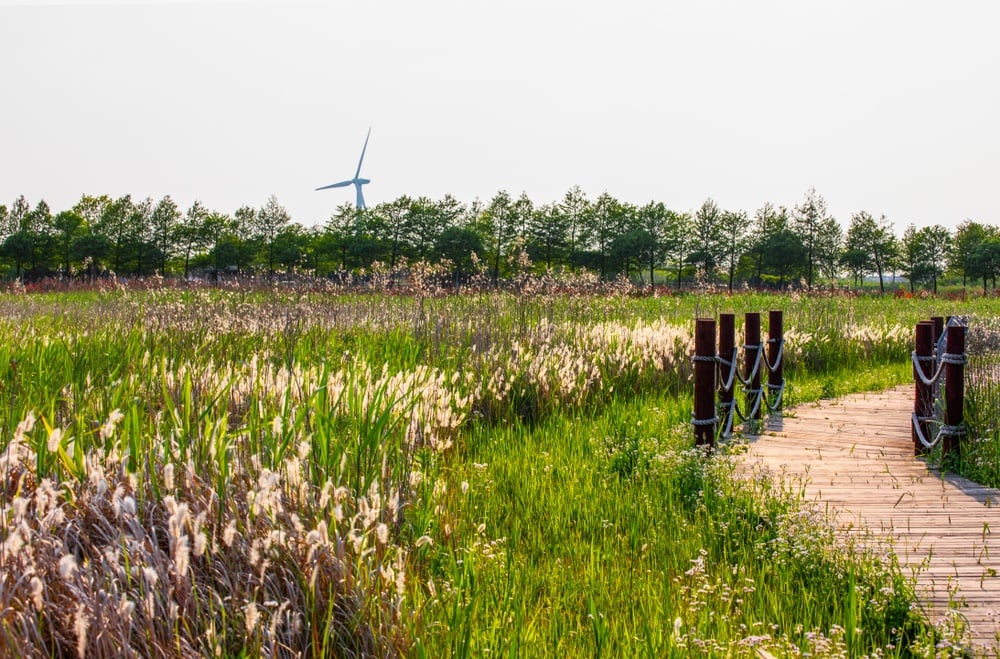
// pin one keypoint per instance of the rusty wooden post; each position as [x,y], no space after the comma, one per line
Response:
[954,387]
[705,369]
[923,399]
[751,348]
[775,339]
[938,328]
[728,352]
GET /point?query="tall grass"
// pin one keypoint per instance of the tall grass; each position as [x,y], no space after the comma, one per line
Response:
[244,472]
[980,452]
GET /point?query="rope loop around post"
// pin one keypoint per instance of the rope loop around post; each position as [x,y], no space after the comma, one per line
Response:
[918,359]
[777,360]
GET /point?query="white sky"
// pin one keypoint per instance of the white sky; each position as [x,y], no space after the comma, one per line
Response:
[889,107]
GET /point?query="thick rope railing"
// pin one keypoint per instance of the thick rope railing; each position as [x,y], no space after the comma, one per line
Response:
[726,374]
[938,365]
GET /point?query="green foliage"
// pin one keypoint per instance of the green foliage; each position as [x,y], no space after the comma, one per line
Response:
[421,475]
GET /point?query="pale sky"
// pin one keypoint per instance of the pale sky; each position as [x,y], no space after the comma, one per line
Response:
[889,107]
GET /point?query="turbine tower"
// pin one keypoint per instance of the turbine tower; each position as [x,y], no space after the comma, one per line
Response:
[357,181]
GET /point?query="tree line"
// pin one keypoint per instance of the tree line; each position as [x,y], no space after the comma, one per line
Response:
[775,247]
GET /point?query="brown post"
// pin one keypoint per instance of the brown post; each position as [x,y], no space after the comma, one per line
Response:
[705,369]
[923,398]
[775,337]
[751,333]
[938,327]
[727,351]
[954,386]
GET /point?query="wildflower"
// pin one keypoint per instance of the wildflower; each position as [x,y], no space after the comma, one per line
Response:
[37,589]
[107,430]
[128,505]
[125,608]
[150,576]
[230,533]
[252,617]
[80,625]
[23,428]
[383,533]
[67,566]
[55,438]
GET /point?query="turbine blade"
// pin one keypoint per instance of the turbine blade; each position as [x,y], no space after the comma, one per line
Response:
[342,184]
[363,149]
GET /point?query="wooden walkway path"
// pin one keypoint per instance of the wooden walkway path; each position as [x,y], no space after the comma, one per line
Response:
[855,456]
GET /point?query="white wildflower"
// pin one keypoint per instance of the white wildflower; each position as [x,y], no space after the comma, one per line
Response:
[80,625]
[37,590]
[67,566]
[230,533]
[55,438]
[252,617]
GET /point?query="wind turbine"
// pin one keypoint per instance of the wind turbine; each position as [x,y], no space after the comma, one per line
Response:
[356,181]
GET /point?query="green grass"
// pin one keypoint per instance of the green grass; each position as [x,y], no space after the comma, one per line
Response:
[593,536]
[239,471]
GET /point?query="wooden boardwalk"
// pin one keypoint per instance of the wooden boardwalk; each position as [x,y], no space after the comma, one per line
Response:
[855,456]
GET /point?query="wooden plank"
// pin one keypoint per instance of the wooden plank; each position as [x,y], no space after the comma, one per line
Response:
[854,458]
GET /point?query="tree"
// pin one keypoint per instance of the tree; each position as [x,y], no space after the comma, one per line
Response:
[457,245]
[291,246]
[5,228]
[873,244]
[16,216]
[270,220]
[394,220]
[19,247]
[984,261]
[604,221]
[91,250]
[933,246]
[216,229]
[164,221]
[808,220]
[967,239]
[427,219]
[113,223]
[784,255]
[652,218]
[547,234]
[768,220]
[733,231]
[910,255]
[498,223]
[245,247]
[576,209]
[339,231]
[677,241]
[67,225]
[191,234]
[139,235]
[37,223]
[524,210]
[707,237]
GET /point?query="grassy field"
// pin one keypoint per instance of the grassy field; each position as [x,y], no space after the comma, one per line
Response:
[189,473]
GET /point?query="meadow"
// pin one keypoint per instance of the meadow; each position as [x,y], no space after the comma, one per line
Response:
[253,472]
